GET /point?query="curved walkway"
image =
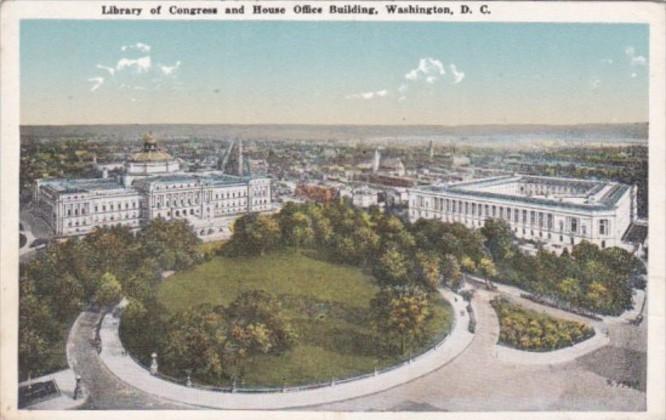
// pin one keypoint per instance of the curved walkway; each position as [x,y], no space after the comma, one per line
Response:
[598,340]
[114,357]
[104,390]
[477,381]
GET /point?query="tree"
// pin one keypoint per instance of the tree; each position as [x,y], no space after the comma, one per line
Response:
[109,291]
[393,268]
[499,239]
[196,342]
[487,268]
[597,295]
[37,329]
[451,271]
[173,244]
[586,251]
[393,234]
[110,249]
[299,231]
[428,269]
[570,290]
[68,296]
[257,325]
[400,314]
[468,264]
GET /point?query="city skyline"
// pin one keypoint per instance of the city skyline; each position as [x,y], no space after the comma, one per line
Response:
[335,73]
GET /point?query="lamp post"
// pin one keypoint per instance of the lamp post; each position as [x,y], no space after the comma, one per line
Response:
[153,364]
[77,388]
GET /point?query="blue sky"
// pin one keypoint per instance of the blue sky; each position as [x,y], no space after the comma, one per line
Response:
[86,72]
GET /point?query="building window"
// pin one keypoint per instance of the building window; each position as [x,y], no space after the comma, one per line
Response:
[574,224]
[524,216]
[508,214]
[532,217]
[494,211]
[550,221]
[603,244]
[603,227]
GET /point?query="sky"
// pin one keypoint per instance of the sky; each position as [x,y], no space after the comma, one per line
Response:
[223,72]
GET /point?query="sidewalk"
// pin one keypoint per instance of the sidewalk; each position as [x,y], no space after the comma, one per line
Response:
[66,381]
[121,365]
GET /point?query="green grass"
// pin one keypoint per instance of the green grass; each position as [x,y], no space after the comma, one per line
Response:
[326,303]
[212,246]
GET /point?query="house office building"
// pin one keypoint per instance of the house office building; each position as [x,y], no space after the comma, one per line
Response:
[558,212]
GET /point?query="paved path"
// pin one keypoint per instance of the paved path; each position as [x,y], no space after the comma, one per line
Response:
[105,390]
[114,357]
[66,381]
[477,381]
[473,381]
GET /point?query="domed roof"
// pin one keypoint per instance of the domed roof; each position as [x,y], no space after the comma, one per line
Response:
[155,156]
[151,152]
[148,138]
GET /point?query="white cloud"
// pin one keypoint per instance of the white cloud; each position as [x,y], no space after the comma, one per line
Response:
[595,83]
[139,46]
[634,75]
[133,99]
[429,69]
[638,61]
[458,76]
[169,70]
[368,95]
[111,70]
[403,88]
[97,82]
[634,60]
[607,60]
[140,65]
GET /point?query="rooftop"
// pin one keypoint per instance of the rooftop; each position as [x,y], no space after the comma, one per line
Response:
[85,185]
[563,192]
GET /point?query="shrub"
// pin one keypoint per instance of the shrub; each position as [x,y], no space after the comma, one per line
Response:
[529,330]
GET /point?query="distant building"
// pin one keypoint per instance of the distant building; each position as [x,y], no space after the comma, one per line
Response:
[317,192]
[392,166]
[391,180]
[152,187]
[364,197]
[559,212]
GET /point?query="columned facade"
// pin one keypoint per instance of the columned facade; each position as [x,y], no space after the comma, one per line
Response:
[555,211]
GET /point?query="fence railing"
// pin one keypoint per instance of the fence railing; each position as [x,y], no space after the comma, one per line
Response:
[276,389]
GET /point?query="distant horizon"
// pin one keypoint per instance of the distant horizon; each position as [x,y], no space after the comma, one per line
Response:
[351,125]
